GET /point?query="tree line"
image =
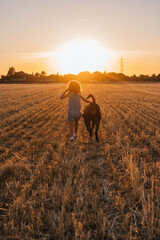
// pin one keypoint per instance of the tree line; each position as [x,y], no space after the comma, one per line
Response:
[85,76]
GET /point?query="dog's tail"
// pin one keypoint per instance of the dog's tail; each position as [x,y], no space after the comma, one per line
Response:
[91,96]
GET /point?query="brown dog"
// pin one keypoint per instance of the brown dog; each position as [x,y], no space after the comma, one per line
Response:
[92,116]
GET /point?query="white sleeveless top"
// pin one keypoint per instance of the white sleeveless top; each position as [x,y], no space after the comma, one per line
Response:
[74,105]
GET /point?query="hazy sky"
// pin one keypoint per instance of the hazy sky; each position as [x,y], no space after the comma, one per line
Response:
[33,32]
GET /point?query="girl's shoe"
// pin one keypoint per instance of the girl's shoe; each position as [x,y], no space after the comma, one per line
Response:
[71,139]
[75,135]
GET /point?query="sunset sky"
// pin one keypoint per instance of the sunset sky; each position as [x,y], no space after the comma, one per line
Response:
[69,36]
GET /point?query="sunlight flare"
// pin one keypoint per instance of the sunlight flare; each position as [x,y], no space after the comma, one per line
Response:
[83,55]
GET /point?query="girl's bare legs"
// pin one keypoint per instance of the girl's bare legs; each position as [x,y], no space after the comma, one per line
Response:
[76,126]
[71,124]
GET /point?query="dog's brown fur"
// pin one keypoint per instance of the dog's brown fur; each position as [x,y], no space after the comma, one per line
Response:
[92,116]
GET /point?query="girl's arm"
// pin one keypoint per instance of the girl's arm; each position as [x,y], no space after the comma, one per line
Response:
[65,94]
[85,100]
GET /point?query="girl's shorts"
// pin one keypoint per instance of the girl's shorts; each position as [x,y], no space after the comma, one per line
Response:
[72,118]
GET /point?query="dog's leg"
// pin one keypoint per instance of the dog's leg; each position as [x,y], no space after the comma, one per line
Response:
[90,129]
[88,126]
[90,132]
[87,122]
[96,132]
[93,124]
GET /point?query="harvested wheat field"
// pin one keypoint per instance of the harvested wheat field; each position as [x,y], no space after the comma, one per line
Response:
[54,189]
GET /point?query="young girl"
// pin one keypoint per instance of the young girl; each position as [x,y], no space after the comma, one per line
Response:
[73,91]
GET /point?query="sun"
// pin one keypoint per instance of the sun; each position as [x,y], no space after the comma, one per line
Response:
[82,55]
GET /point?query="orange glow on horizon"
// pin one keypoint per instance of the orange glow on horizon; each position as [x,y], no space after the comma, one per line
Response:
[82,55]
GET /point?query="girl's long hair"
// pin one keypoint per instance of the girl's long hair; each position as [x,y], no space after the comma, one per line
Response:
[74,86]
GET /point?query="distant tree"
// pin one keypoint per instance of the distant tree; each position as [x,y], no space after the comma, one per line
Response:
[153,77]
[11,71]
[134,78]
[97,76]
[20,75]
[158,76]
[84,76]
[43,74]
[3,77]
[37,75]
[143,77]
